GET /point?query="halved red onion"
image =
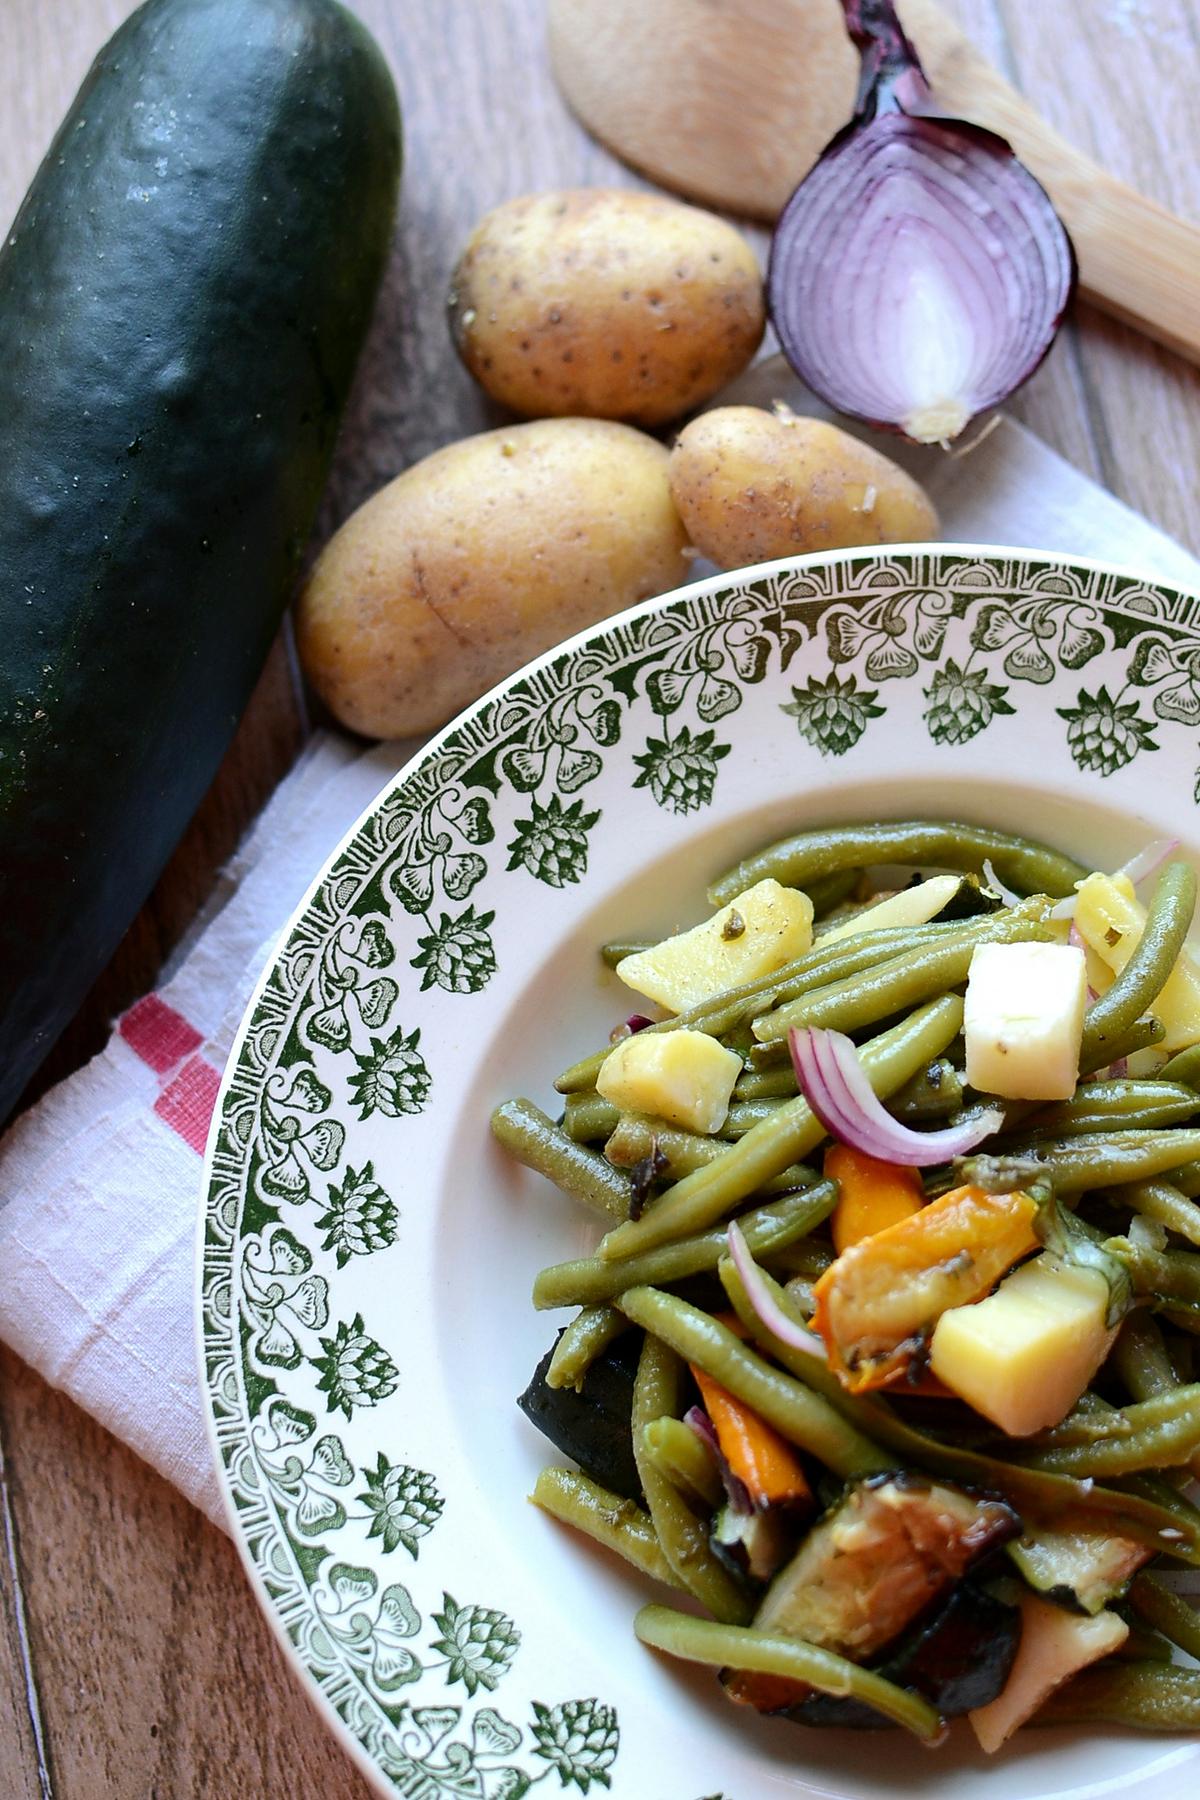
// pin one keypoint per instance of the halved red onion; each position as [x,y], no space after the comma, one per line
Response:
[919,272]
[835,1084]
[784,1327]
[1147,862]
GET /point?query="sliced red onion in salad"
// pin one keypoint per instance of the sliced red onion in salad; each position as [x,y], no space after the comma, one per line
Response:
[919,272]
[1009,897]
[835,1084]
[768,1309]
[1139,868]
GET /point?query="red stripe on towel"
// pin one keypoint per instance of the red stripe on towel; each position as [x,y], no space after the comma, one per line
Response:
[187,1103]
[158,1034]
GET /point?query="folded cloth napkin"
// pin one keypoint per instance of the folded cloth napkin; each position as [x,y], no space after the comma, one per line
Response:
[99,1182]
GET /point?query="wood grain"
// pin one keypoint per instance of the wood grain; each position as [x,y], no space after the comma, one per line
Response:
[150,1669]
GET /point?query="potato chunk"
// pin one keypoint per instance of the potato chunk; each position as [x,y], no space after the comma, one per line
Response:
[1023,1356]
[685,1077]
[761,930]
[1023,1019]
[1054,1646]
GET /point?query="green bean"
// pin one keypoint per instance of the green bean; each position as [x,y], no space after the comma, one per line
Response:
[924,843]
[618,1524]
[526,1133]
[1101,1423]
[1166,1274]
[722,1013]
[637,1136]
[1143,1034]
[1124,1105]
[903,981]
[616,951]
[803,1416]
[1144,1697]
[744,1115]
[1145,974]
[758,1653]
[589,1280]
[933,1093]
[1167,1613]
[674,1448]
[588,1335]
[1183,1066]
[828,891]
[1142,1644]
[1045,1495]
[1150,1434]
[1162,1202]
[587,1117]
[683,1539]
[1186,1178]
[765,1084]
[1075,1164]
[804,1257]
[701,1198]
[1140,1358]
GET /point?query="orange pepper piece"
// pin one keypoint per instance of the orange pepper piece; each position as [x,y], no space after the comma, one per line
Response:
[754,1450]
[872,1194]
[876,1304]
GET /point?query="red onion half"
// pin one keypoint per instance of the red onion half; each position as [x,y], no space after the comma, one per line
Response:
[835,1084]
[765,1305]
[919,272]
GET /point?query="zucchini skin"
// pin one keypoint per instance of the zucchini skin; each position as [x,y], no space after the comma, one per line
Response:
[183,298]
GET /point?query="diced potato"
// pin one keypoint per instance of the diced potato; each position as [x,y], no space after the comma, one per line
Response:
[1023,1356]
[1110,919]
[761,930]
[911,906]
[684,1077]
[1055,1645]
[1023,1020]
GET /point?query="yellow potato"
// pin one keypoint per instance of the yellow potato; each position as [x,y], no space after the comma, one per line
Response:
[477,559]
[753,485]
[605,303]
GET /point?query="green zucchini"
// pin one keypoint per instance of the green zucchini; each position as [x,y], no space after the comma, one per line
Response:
[183,297]
[1078,1568]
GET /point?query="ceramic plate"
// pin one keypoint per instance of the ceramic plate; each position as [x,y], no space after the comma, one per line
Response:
[368,1254]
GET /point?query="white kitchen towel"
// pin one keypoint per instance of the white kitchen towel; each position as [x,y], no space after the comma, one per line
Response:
[99,1183]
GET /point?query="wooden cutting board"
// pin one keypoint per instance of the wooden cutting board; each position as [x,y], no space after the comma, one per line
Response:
[731,101]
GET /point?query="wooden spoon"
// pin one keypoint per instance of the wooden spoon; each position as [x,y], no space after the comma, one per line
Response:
[731,101]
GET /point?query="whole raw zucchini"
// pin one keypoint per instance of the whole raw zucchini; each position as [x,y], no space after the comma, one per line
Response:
[183,297]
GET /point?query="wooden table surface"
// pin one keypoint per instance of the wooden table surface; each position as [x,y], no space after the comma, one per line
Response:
[133,1662]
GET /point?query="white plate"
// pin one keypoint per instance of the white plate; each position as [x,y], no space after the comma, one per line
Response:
[367,1252]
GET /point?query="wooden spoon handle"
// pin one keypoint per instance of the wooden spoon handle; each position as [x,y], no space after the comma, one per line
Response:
[1136,259]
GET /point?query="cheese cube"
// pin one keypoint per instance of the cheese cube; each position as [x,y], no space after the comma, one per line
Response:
[684,1076]
[1055,1644]
[1023,1020]
[1024,1355]
[761,930]
[1110,920]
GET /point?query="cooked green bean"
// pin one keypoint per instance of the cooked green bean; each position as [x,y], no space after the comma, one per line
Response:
[925,843]
[1186,1179]
[1126,1105]
[1140,1358]
[526,1133]
[587,1117]
[682,1537]
[1145,974]
[1104,1424]
[1044,1494]
[1075,1164]
[802,1415]
[724,1012]
[828,891]
[903,981]
[1150,1434]
[589,1280]
[1144,1697]
[1166,1274]
[805,1257]
[727,1646]
[618,1524]
[1143,1034]
[934,1092]
[705,1196]
[1183,1066]
[619,949]
[1167,1613]
[637,1137]
[588,1335]
[674,1448]
[765,1084]
[1142,1644]
[1162,1202]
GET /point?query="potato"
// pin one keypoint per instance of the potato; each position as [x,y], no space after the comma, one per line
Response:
[479,557]
[605,303]
[753,485]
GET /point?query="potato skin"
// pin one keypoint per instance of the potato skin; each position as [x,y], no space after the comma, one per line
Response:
[753,485]
[605,304]
[478,558]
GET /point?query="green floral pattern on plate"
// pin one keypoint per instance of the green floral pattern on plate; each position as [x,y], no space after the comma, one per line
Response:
[314,1390]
